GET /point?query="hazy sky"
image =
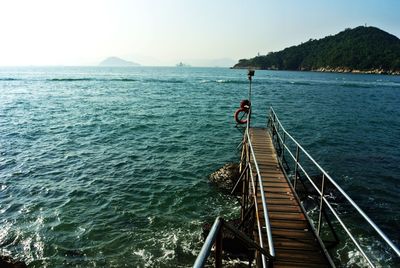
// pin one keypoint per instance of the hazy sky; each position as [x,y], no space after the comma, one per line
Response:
[84,32]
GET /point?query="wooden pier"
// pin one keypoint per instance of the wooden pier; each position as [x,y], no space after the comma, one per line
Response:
[294,241]
[273,221]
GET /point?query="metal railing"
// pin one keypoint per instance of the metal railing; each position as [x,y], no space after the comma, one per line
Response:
[253,161]
[251,175]
[215,237]
[284,144]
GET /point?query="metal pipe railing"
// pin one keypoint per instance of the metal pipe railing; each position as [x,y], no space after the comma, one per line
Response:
[206,249]
[215,237]
[260,236]
[263,199]
[264,203]
[276,127]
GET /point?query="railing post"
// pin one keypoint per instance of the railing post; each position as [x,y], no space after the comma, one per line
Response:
[246,191]
[242,155]
[243,208]
[245,186]
[283,146]
[321,204]
[255,185]
[296,166]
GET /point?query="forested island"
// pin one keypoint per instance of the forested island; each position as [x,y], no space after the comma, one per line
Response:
[358,50]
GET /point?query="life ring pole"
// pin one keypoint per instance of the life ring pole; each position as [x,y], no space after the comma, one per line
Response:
[250,75]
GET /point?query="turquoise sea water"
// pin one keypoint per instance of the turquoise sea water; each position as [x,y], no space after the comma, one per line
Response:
[108,167]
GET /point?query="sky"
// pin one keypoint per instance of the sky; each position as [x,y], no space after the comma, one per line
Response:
[165,32]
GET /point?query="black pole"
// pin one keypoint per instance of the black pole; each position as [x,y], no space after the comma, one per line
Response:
[250,74]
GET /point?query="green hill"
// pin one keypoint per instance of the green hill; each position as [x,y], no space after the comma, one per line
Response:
[362,49]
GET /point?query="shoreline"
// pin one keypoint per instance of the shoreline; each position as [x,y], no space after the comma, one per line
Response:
[330,70]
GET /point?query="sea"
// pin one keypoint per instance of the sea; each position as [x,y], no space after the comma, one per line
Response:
[108,167]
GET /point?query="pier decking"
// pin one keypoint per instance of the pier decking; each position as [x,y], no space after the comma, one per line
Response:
[294,241]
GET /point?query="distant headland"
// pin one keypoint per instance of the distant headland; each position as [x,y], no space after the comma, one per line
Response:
[115,61]
[358,50]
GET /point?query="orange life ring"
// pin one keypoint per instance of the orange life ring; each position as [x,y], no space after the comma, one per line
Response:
[241,120]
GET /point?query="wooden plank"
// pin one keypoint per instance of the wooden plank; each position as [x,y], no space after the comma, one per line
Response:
[272,176]
[283,264]
[281,195]
[276,190]
[301,256]
[288,224]
[291,207]
[295,244]
[281,202]
[284,215]
[293,234]
[275,184]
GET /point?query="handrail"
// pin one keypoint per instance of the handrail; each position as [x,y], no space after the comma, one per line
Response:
[277,127]
[206,249]
[264,203]
[260,236]
[215,235]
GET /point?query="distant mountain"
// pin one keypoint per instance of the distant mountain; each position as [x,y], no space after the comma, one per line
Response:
[362,49]
[115,61]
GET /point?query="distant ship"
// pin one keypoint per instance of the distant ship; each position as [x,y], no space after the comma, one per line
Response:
[181,64]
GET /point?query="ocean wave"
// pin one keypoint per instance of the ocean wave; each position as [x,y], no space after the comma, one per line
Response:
[127,79]
[92,79]
[241,82]
[169,81]
[70,79]
[9,79]
[371,85]
[356,85]
[171,244]
[223,81]
[301,83]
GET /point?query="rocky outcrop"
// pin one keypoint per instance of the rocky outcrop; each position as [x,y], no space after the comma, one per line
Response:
[8,262]
[226,177]
[350,70]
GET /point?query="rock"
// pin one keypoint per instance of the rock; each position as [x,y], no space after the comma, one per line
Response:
[226,177]
[8,262]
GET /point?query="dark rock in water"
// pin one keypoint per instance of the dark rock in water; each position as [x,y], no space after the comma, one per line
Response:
[74,253]
[8,262]
[226,177]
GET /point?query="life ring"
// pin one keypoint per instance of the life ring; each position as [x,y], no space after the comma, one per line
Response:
[241,120]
